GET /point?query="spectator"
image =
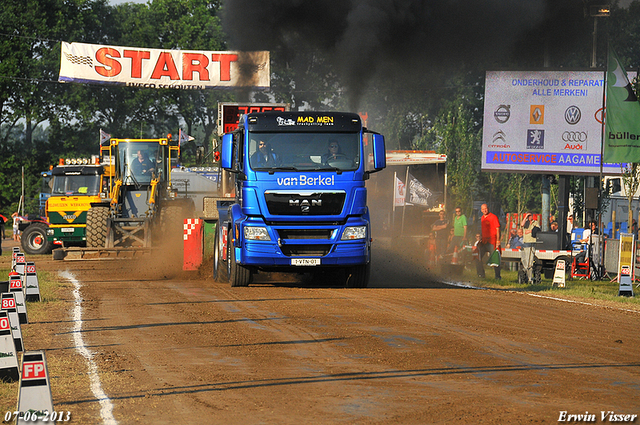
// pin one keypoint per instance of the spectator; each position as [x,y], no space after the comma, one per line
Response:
[530,228]
[16,229]
[459,230]
[440,227]
[554,226]
[3,219]
[515,241]
[570,223]
[475,255]
[490,242]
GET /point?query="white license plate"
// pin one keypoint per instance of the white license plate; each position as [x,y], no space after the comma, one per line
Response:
[67,229]
[305,261]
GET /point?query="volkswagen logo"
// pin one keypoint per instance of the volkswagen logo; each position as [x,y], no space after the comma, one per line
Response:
[574,136]
[502,114]
[572,115]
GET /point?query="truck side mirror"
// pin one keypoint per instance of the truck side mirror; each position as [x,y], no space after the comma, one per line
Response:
[379,152]
[226,157]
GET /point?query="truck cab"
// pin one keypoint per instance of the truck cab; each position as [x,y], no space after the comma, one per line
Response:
[300,197]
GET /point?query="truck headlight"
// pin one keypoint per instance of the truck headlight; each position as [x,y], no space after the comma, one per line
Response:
[253,233]
[50,232]
[354,232]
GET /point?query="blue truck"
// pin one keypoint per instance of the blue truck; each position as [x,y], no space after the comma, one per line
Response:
[300,200]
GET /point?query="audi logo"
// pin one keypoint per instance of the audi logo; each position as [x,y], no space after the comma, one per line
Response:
[574,136]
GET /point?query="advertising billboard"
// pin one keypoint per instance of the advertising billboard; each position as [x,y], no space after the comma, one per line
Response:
[547,122]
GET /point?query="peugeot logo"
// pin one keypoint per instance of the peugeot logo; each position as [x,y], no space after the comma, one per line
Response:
[305,204]
[572,115]
[574,136]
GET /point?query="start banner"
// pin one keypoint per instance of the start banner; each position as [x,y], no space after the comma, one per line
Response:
[157,68]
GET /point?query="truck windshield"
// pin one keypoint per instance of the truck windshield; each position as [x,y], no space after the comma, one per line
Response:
[76,185]
[304,151]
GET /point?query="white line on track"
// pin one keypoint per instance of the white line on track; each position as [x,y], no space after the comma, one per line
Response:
[106,407]
[464,285]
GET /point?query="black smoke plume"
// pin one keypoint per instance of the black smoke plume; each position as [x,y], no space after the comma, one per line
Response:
[363,38]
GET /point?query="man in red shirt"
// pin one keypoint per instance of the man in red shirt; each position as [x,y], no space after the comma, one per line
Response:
[490,239]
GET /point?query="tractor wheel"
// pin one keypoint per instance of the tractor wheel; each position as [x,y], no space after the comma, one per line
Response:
[220,263]
[34,240]
[238,275]
[358,276]
[96,231]
[171,223]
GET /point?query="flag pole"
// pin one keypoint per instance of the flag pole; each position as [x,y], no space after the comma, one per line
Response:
[404,207]
[392,227]
[602,136]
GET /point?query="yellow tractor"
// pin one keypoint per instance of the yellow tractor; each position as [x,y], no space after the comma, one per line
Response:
[142,207]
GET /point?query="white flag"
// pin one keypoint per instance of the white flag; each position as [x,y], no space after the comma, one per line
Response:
[104,137]
[418,193]
[400,193]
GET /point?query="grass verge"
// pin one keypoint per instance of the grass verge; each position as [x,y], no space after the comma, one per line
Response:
[603,292]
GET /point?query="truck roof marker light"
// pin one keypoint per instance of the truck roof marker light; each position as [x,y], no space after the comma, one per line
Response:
[61,161]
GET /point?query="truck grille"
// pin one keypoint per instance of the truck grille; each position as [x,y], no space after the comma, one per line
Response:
[305,233]
[316,203]
[305,250]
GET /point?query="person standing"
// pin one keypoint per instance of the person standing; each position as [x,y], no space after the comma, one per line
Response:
[531,228]
[440,227]
[490,240]
[3,219]
[459,230]
[16,228]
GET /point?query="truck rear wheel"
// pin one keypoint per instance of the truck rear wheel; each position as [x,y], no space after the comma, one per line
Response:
[358,276]
[96,231]
[34,240]
[219,264]
[238,275]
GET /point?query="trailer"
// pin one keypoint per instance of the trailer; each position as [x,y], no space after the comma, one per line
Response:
[408,194]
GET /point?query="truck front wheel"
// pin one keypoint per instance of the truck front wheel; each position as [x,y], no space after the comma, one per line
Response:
[34,240]
[238,275]
[358,276]
[219,263]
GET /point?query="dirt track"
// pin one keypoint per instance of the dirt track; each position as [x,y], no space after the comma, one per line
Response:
[182,349]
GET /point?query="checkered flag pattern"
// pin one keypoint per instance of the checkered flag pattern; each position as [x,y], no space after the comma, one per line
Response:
[79,60]
[189,226]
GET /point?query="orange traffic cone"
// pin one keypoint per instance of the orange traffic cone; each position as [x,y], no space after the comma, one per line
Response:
[454,259]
